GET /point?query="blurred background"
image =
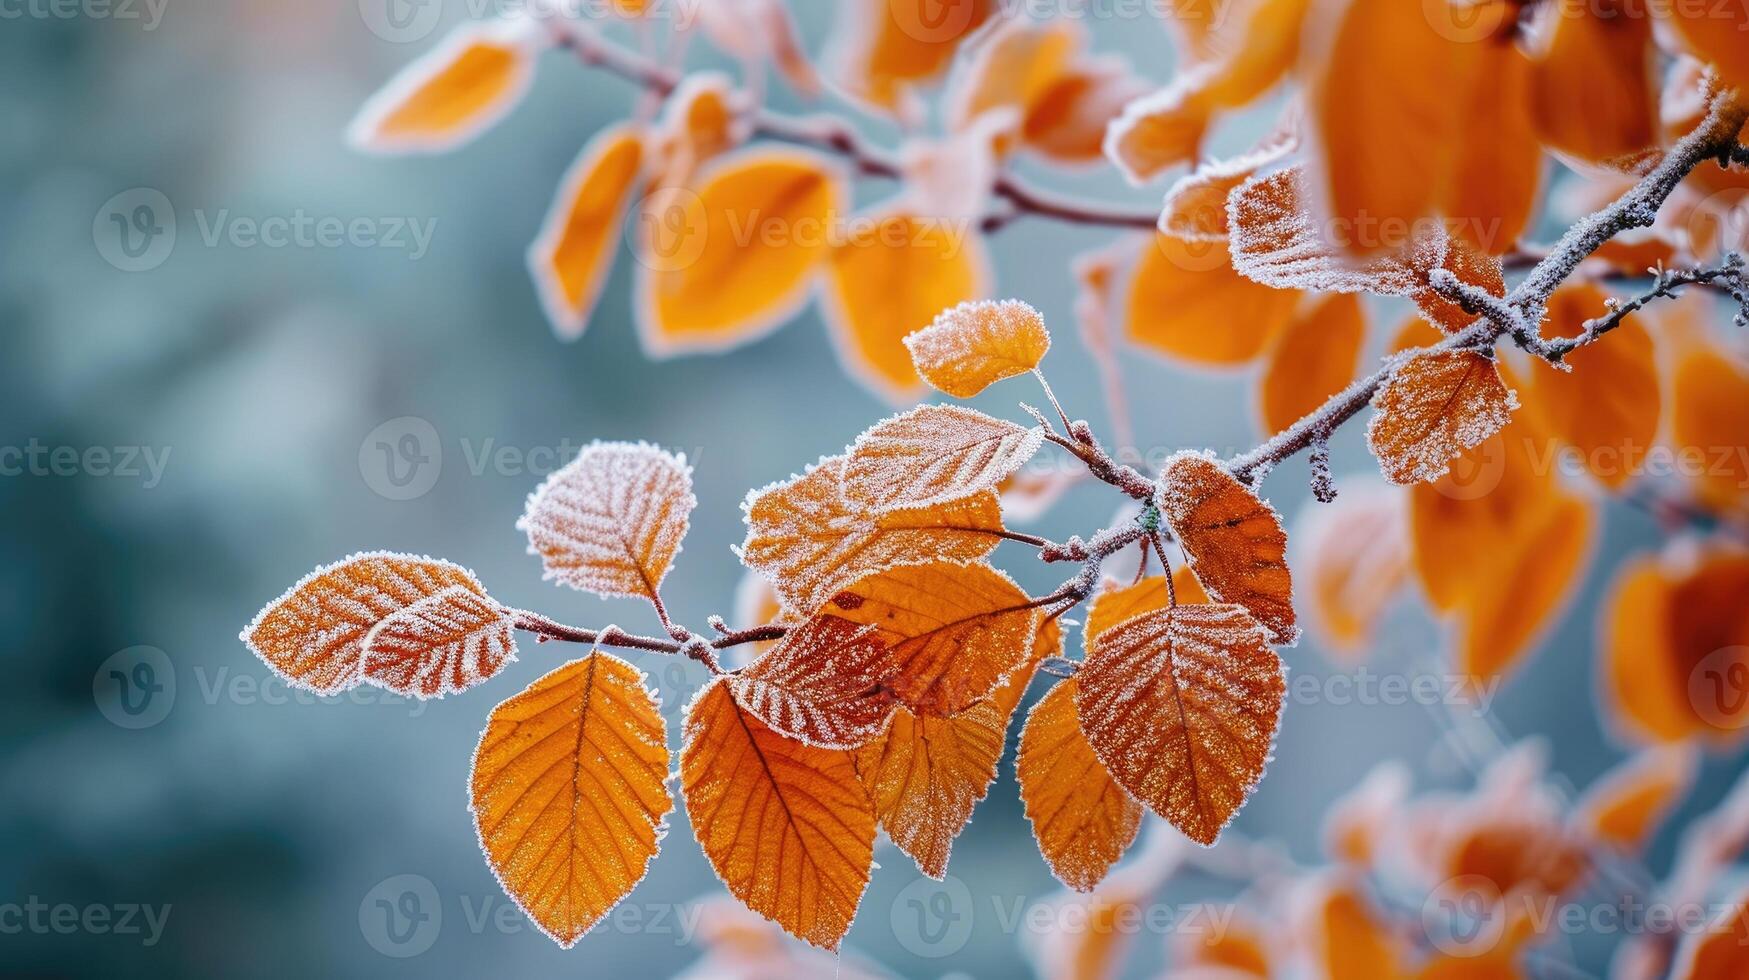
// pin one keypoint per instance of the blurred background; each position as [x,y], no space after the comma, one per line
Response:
[211,427]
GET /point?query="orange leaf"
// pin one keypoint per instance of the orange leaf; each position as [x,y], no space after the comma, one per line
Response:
[1433,407]
[314,635]
[1116,603]
[569,791]
[1625,805]
[1720,951]
[1083,820]
[955,631]
[1715,34]
[1013,66]
[575,251]
[1592,93]
[1314,358]
[885,48]
[974,345]
[811,536]
[1523,589]
[450,95]
[1491,191]
[1353,559]
[1607,406]
[1163,129]
[729,260]
[787,826]
[703,118]
[1711,414]
[1234,540]
[611,520]
[1345,935]
[823,684]
[1186,301]
[890,279]
[443,644]
[1358,825]
[1196,206]
[934,454]
[1182,706]
[927,774]
[1068,120]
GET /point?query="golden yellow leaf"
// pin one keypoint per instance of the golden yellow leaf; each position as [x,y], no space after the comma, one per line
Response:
[1163,129]
[725,261]
[314,635]
[1234,540]
[1182,706]
[1433,407]
[824,684]
[889,279]
[813,535]
[703,119]
[611,520]
[1186,301]
[955,631]
[934,454]
[1345,935]
[571,258]
[569,791]
[974,345]
[450,95]
[787,826]
[1012,67]
[1314,358]
[1083,820]
[443,644]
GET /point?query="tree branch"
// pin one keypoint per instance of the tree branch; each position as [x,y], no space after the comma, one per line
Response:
[1728,273]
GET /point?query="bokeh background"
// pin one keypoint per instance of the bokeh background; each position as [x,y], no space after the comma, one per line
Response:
[265,380]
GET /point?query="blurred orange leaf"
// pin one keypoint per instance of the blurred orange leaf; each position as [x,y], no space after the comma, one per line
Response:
[1314,358]
[450,95]
[571,258]
[1186,301]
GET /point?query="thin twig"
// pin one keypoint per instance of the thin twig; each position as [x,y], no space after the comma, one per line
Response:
[1665,284]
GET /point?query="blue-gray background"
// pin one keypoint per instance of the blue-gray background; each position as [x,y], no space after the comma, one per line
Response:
[266,825]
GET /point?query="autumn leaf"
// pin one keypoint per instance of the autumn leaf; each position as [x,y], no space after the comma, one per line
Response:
[1433,407]
[1711,409]
[1523,589]
[611,520]
[1163,129]
[703,118]
[1182,706]
[1083,820]
[787,826]
[443,644]
[1490,190]
[1719,951]
[571,259]
[889,279]
[1715,33]
[974,345]
[824,684]
[954,631]
[1593,95]
[1313,359]
[450,95]
[1345,935]
[1353,559]
[1068,120]
[1359,826]
[314,635]
[1625,805]
[1196,205]
[811,537]
[1186,300]
[726,260]
[883,49]
[569,791]
[934,454]
[1013,67]
[926,774]
[1234,540]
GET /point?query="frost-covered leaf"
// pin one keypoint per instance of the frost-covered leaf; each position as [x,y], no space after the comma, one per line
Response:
[450,95]
[703,118]
[571,259]
[955,631]
[443,644]
[1186,300]
[1315,357]
[974,345]
[811,536]
[611,520]
[569,791]
[1182,705]
[1083,820]
[313,636]
[1434,407]
[786,825]
[889,279]
[1162,129]
[1068,120]
[1195,208]
[926,774]
[732,255]
[1234,540]
[1012,68]
[825,683]
[935,453]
